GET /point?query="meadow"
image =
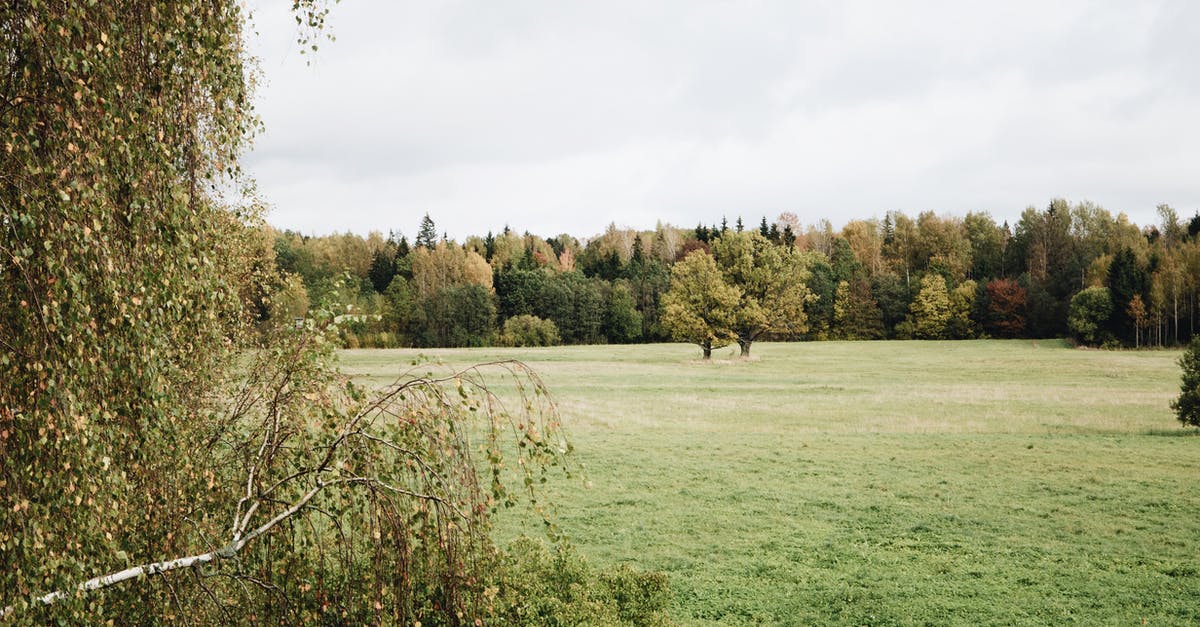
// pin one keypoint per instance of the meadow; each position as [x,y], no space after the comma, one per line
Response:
[973,482]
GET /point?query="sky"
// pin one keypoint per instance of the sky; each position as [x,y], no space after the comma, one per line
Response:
[563,117]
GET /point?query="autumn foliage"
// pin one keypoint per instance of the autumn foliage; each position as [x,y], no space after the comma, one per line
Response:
[1006,308]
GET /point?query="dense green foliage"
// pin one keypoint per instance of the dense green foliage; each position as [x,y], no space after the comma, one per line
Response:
[772,279]
[1187,405]
[933,482]
[1090,310]
[999,280]
[527,330]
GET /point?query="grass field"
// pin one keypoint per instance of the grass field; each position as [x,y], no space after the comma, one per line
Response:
[988,482]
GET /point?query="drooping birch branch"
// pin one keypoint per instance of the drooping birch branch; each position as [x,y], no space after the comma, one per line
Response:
[157,568]
[324,473]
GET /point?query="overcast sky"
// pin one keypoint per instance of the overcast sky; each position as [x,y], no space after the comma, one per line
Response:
[565,116]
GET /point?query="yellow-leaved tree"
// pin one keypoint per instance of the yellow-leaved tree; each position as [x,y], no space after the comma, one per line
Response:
[700,307]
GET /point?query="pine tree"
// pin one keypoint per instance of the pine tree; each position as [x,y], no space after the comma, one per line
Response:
[638,255]
[489,246]
[637,259]
[427,235]
[1126,279]
[789,237]
[404,258]
[383,268]
[889,230]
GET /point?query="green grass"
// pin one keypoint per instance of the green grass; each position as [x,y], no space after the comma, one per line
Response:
[987,482]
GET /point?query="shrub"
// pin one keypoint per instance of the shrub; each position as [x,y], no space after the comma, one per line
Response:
[544,587]
[527,330]
[1090,310]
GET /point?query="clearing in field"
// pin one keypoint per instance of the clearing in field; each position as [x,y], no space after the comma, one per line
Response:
[877,482]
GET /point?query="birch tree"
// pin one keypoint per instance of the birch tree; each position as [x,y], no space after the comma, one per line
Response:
[161,459]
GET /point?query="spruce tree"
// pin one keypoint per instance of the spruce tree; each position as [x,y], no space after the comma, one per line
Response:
[427,235]
[383,268]
[1187,406]
[1126,279]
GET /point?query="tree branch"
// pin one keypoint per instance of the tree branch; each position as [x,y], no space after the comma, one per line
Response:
[157,568]
[326,472]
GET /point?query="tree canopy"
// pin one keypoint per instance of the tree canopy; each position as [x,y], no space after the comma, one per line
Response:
[772,280]
[700,307]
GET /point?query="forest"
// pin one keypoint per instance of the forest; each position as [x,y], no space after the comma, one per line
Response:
[1066,270]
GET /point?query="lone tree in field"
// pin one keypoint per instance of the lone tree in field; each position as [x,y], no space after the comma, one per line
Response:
[1187,406]
[700,307]
[773,281]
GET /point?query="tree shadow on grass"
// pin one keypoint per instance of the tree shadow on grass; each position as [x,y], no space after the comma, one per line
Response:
[1185,432]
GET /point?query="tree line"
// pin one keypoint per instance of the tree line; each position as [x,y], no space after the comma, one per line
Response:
[1065,270]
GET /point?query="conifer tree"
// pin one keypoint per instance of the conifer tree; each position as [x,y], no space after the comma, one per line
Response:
[1187,405]
[427,234]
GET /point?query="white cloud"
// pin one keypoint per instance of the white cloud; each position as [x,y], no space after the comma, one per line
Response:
[559,117]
